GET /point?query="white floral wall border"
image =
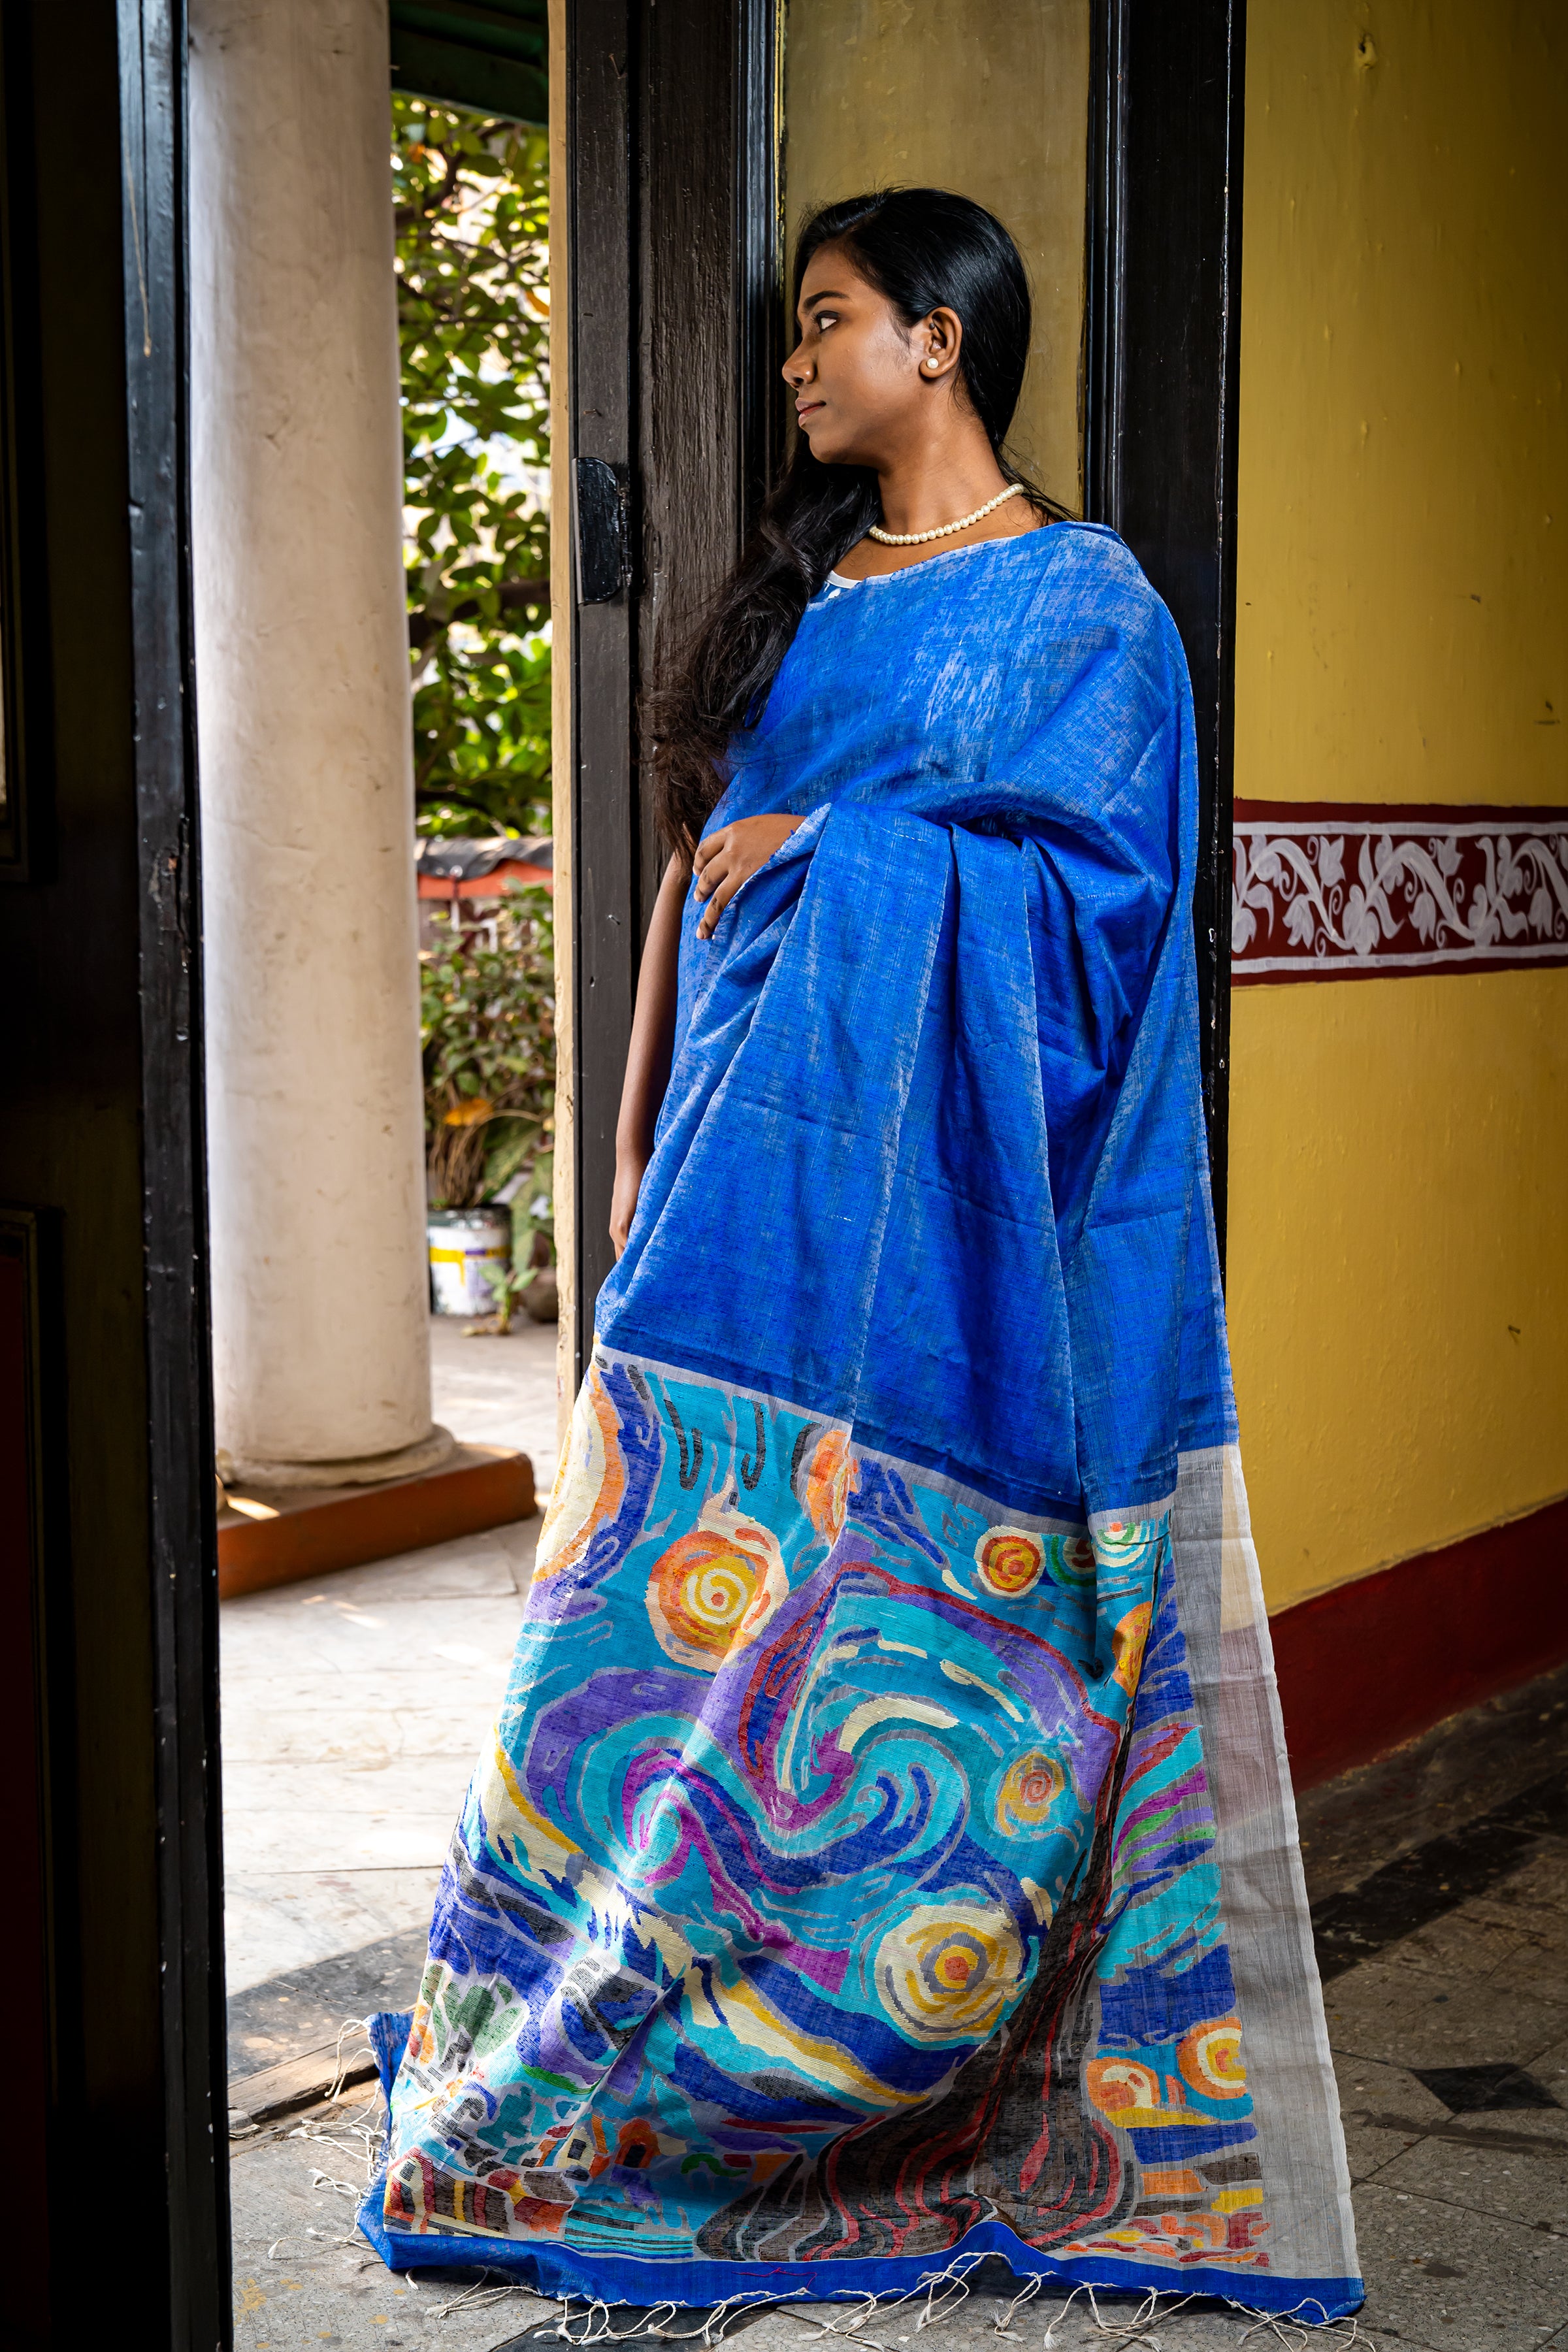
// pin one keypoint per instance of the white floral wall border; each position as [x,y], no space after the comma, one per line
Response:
[1363,890]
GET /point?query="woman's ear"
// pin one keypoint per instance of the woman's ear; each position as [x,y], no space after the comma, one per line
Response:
[937,341]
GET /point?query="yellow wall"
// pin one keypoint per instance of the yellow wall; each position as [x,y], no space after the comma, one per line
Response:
[989,98]
[1399,1147]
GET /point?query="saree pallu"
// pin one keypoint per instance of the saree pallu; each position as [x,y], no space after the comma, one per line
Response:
[886,1855]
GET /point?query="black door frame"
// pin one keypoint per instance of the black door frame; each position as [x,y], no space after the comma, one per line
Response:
[153,53]
[1161,339]
[102,1173]
[673,165]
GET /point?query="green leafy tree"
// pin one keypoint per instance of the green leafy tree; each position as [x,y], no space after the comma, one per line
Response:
[471,199]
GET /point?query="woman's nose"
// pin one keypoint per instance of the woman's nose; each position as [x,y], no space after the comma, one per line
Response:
[796,369]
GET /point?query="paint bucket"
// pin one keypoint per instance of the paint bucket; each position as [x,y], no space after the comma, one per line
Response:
[466,1246]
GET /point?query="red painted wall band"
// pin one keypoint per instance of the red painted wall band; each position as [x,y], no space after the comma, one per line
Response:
[1373,1664]
[1374,890]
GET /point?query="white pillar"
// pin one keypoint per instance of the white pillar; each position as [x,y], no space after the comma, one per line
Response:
[321,1332]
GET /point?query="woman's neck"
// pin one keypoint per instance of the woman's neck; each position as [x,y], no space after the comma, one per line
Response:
[941,483]
[938,486]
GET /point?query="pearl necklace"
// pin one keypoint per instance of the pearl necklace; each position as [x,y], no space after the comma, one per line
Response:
[945,529]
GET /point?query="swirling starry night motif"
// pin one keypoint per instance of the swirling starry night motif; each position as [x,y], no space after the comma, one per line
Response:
[772,1924]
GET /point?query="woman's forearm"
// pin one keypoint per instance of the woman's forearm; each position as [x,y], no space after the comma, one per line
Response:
[652,1021]
[649,1054]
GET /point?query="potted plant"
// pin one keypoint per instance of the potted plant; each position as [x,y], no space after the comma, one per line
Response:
[487,1030]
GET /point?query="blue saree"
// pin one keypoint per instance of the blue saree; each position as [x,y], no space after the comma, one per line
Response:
[886,1854]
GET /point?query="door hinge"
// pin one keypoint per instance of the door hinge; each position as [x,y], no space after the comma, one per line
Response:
[599,525]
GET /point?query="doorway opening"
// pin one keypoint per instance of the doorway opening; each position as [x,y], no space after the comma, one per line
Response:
[365,1654]
[667,399]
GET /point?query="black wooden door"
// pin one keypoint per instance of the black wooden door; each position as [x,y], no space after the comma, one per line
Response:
[673,310]
[111,1655]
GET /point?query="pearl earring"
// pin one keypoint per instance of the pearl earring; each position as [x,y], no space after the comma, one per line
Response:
[933,362]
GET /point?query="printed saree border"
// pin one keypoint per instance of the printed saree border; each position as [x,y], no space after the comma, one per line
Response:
[1227,1669]
[1047,1509]
[568,2271]
[1384,889]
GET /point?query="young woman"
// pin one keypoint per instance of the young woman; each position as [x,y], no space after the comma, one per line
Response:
[886,1858]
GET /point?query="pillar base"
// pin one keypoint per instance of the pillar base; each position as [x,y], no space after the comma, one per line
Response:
[249,1470]
[288,1536]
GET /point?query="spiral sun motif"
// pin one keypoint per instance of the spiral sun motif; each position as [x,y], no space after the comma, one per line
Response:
[946,1973]
[1010,1560]
[1117,1541]
[1070,1559]
[1030,1787]
[1209,2056]
[1117,2085]
[828,1485]
[714,1588]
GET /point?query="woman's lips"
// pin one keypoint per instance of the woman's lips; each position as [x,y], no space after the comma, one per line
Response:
[805,408]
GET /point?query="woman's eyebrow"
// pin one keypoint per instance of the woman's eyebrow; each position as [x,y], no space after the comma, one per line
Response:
[810,301]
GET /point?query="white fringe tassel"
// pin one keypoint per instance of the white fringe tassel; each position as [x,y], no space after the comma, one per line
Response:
[582,2322]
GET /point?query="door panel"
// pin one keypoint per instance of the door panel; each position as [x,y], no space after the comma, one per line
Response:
[1160,349]
[100,1172]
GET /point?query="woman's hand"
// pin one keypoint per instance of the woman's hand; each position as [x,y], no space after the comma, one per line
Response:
[727,858]
[630,1168]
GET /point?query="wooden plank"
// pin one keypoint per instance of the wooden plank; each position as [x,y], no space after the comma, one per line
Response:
[301,2082]
[673,237]
[563,772]
[153,53]
[600,309]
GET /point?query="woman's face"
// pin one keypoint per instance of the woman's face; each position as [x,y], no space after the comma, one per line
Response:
[863,381]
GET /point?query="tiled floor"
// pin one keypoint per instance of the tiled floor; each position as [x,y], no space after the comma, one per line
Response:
[353,1707]
[498,1391]
[352,1710]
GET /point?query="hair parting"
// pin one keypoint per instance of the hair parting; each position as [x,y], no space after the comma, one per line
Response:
[924,251]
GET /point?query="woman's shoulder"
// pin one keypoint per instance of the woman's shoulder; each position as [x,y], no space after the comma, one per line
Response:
[1098,557]
[1065,583]
[1064,561]
[1095,582]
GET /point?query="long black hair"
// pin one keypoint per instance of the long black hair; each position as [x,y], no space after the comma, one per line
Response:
[924,251]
